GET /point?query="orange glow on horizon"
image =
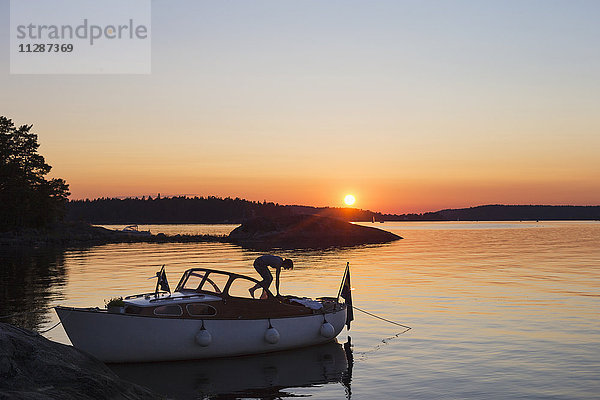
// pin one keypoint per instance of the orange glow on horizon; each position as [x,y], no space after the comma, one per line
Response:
[386,183]
[377,196]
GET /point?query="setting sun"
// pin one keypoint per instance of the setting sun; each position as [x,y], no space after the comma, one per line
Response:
[349,199]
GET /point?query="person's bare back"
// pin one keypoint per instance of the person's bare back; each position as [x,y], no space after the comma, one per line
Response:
[262,264]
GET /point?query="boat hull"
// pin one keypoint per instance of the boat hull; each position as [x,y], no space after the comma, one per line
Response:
[113,337]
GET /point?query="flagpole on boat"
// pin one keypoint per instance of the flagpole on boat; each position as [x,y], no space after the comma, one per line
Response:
[343,281]
[158,276]
[161,282]
[346,293]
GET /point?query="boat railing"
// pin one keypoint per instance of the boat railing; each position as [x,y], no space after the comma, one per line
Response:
[146,295]
[152,297]
[191,296]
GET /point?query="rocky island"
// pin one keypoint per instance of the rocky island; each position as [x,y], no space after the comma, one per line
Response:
[292,231]
[305,231]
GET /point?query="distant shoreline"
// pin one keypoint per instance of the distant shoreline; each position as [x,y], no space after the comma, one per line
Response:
[214,210]
[86,232]
[82,235]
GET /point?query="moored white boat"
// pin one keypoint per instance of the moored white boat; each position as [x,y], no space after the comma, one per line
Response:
[209,314]
[134,230]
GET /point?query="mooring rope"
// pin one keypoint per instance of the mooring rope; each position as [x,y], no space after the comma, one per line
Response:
[49,329]
[32,312]
[381,318]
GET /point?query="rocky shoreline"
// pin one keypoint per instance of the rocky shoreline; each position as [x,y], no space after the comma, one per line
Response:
[33,367]
[85,235]
[290,232]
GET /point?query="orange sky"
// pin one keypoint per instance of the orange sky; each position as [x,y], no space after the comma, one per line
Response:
[410,108]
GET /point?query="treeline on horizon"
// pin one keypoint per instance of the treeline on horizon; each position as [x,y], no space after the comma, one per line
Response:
[499,212]
[194,210]
[212,209]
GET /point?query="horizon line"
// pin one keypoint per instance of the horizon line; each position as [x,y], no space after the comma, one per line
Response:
[192,196]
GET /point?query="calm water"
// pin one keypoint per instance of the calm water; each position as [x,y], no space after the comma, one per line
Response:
[497,310]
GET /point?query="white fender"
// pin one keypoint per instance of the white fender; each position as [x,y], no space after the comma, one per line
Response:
[272,335]
[327,330]
[203,338]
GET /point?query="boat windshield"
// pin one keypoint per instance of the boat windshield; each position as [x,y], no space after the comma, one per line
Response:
[200,281]
[218,282]
[192,282]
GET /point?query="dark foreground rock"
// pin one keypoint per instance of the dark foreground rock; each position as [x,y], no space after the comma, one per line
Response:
[33,367]
[306,231]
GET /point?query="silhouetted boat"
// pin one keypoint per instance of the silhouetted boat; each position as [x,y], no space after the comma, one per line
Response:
[134,230]
[209,314]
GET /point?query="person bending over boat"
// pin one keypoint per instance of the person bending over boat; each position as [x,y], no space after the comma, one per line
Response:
[262,264]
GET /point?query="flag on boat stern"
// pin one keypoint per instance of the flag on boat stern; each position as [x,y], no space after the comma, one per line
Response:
[347,295]
[162,280]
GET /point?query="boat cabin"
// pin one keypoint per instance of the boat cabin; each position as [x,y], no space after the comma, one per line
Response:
[204,293]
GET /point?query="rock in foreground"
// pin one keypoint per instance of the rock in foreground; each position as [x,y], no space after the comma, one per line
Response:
[33,367]
[306,231]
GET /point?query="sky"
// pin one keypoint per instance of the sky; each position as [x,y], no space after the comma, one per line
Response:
[411,106]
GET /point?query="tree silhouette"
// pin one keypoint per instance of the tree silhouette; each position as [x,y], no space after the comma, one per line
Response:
[27,198]
[194,210]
